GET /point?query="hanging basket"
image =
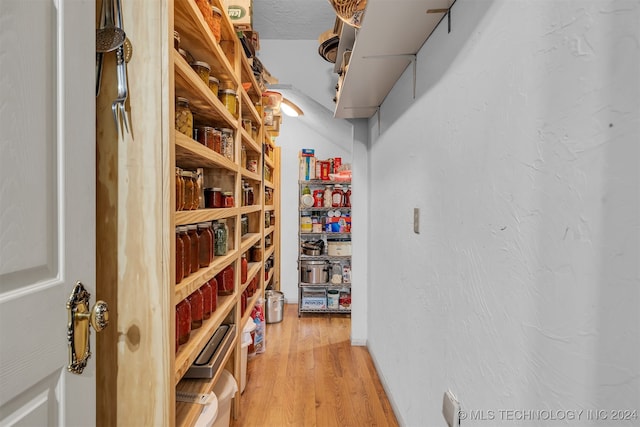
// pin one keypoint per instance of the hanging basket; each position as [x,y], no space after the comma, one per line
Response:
[350,12]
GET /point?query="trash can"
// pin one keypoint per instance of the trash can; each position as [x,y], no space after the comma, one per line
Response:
[246,342]
[224,389]
[274,306]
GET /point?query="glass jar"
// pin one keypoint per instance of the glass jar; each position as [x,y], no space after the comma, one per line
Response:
[255,253]
[347,197]
[206,136]
[243,156]
[220,233]
[214,85]
[217,141]
[225,281]
[336,273]
[227,145]
[213,197]
[229,100]
[197,189]
[203,70]
[183,313]
[326,197]
[179,189]
[179,257]
[244,225]
[244,268]
[254,132]
[205,244]
[207,300]
[246,125]
[192,231]
[250,197]
[189,190]
[213,282]
[228,200]
[186,243]
[184,117]
[197,308]
[243,302]
[216,23]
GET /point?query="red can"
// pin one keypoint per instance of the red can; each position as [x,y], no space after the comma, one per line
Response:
[324,170]
[337,161]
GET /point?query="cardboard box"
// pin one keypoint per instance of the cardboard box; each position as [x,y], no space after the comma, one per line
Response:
[241,14]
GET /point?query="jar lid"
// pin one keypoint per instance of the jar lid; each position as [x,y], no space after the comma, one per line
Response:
[176,35]
[207,128]
[181,99]
[192,227]
[202,64]
[187,174]
[204,225]
[213,79]
[231,91]
[228,193]
[217,189]
[182,228]
[226,130]
[216,10]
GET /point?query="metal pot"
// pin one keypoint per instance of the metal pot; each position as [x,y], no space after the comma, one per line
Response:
[313,248]
[314,272]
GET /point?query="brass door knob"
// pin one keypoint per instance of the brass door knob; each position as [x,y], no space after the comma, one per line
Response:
[78,331]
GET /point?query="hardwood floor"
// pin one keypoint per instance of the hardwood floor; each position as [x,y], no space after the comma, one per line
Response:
[310,375]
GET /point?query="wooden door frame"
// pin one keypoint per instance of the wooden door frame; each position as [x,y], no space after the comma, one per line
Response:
[135,384]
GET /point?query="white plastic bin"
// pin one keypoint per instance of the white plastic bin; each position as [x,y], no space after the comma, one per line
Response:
[246,342]
[224,389]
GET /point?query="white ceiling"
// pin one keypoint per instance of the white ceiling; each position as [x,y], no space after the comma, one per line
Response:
[292,19]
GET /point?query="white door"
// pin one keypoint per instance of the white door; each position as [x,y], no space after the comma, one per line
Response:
[47,206]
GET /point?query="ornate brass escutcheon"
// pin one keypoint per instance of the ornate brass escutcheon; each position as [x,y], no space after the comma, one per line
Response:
[78,331]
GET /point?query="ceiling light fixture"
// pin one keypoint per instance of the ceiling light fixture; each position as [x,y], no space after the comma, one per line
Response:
[290,109]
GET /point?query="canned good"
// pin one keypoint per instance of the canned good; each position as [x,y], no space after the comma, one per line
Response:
[184,117]
[203,70]
[229,100]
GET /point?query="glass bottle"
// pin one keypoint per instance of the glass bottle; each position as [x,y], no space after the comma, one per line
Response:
[347,197]
[337,197]
[189,190]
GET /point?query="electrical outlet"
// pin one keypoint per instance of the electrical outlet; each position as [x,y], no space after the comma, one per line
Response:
[451,409]
[416,220]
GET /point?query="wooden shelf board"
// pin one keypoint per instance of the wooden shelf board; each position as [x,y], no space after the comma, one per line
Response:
[249,240]
[192,154]
[202,215]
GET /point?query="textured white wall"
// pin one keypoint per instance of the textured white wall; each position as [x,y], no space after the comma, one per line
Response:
[522,290]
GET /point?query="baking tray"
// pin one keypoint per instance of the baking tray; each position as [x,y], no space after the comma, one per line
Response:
[210,358]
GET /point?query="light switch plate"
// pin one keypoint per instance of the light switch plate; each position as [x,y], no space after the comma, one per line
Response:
[416,220]
[451,409]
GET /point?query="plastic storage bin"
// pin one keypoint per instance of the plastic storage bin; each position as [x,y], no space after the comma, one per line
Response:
[246,342]
[225,389]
